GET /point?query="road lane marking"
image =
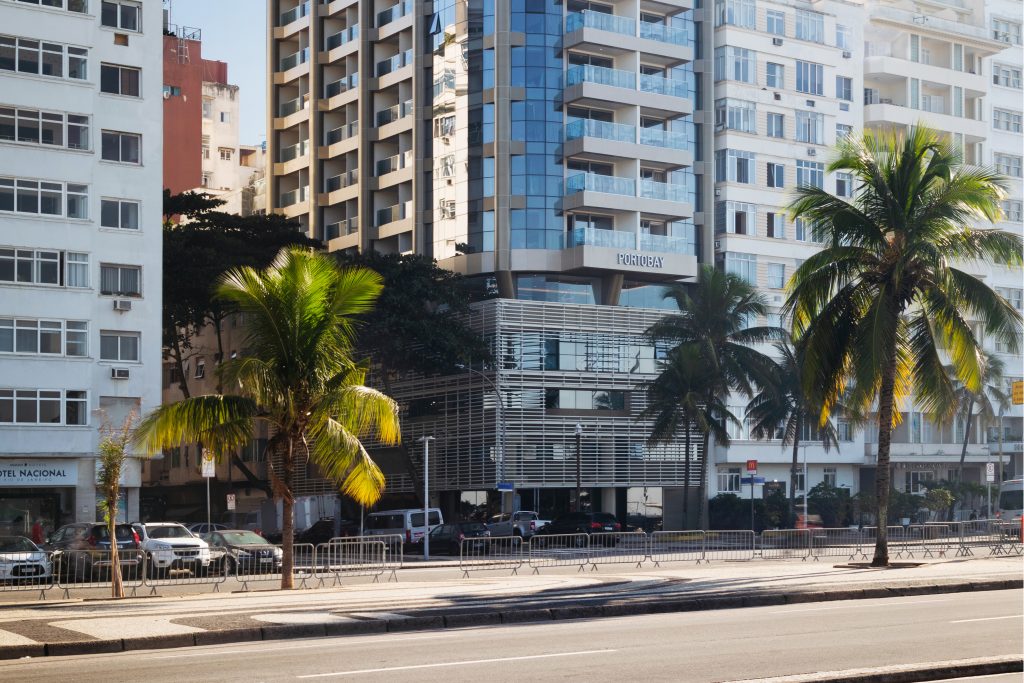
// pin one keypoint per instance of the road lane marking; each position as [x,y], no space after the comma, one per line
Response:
[967,621]
[851,606]
[460,663]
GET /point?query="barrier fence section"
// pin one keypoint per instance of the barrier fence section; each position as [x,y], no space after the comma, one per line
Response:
[252,563]
[733,546]
[490,553]
[26,570]
[194,567]
[350,557]
[618,547]
[91,569]
[1009,538]
[676,546]
[558,550]
[845,542]
[937,539]
[782,544]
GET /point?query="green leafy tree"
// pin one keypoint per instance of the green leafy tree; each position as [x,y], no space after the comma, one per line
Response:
[299,379]
[832,503]
[886,292]
[939,500]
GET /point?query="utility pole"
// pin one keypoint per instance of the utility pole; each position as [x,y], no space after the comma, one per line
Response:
[579,467]
[425,440]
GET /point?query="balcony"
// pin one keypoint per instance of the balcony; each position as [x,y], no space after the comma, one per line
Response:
[621,140]
[393,163]
[667,139]
[595,237]
[341,133]
[346,226]
[604,184]
[664,34]
[342,37]
[295,196]
[394,12]
[667,244]
[390,214]
[341,85]
[294,14]
[663,86]
[292,106]
[393,64]
[394,113]
[299,149]
[652,189]
[346,179]
[587,73]
[603,130]
[626,26]
[293,60]
[596,85]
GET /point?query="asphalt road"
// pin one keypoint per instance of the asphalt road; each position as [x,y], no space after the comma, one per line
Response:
[722,645]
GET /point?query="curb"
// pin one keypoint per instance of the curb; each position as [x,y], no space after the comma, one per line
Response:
[909,673]
[493,617]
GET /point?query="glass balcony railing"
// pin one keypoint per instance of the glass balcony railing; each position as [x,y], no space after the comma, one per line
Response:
[663,86]
[596,237]
[667,244]
[294,14]
[394,12]
[292,106]
[652,189]
[606,184]
[601,21]
[294,196]
[295,151]
[341,37]
[588,73]
[664,34]
[341,180]
[389,214]
[393,163]
[395,63]
[293,60]
[341,85]
[341,133]
[346,226]
[656,137]
[393,113]
[589,128]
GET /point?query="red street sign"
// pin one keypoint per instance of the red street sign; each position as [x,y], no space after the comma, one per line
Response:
[751,466]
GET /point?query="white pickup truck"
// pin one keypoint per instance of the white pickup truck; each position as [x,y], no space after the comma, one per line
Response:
[523,524]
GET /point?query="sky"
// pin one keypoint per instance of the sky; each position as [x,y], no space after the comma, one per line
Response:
[234,31]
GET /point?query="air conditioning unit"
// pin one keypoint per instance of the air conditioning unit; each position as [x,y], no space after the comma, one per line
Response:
[885,100]
[811,152]
[122,305]
[844,106]
[776,41]
[120,373]
[718,192]
[778,95]
[810,103]
[847,54]
[167,95]
[718,245]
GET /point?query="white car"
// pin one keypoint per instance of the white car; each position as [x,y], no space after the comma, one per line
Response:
[21,561]
[169,545]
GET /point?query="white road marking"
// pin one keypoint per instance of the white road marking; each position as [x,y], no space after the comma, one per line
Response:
[888,603]
[333,643]
[967,621]
[461,663]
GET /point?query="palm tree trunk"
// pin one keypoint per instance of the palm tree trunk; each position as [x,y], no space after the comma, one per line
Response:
[882,482]
[702,490]
[967,437]
[686,476]
[793,469]
[288,517]
[116,581]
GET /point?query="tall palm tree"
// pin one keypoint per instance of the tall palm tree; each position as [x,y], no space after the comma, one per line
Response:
[885,293]
[783,409]
[714,315]
[298,379]
[988,400]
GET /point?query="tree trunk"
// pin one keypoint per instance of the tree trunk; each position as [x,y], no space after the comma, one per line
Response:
[793,470]
[702,495]
[967,438]
[288,517]
[686,476]
[882,483]
[217,319]
[116,581]
[179,364]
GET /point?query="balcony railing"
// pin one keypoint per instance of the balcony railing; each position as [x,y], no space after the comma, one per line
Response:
[664,34]
[293,60]
[601,21]
[341,85]
[395,112]
[346,226]
[294,14]
[294,196]
[292,106]
[595,237]
[588,73]
[295,151]
[395,63]
[589,128]
[605,184]
[394,12]
[663,86]
[341,180]
[393,163]
[667,244]
[341,132]
[652,189]
[655,137]
[343,36]
[389,215]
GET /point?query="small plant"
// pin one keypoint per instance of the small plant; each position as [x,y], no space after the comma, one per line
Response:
[113,450]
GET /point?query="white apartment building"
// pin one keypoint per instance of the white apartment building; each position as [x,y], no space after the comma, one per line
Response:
[228,167]
[80,247]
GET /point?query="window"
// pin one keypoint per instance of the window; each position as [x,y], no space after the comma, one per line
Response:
[734,166]
[119,213]
[1013,210]
[1003,347]
[810,173]
[122,15]
[1008,164]
[810,26]
[77,267]
[843,39]
[844,184]
[119,80]
[744,265]
[1014,296]
[46,337]
[225,117]
[738,115]
[121,147]
[776,22]
[35,57]
[736,12]
[44,198]
[735,64]
[207,109]
[776,125]
[80,6]
[842,131]
[44,128]
[200,369]
[804,230]
[776,174]
[776,76]
[1004,119]
[1006,76]
[916,479]
[76,338]
[844,88]
[736,218]
[172,91]
[728,479]
[225,153]
[120,280]
[42,406]
[1006,31]
[776,225]
[810,127]
[810,78]
[829,477]
[119,346]
[776,275]
[799,480]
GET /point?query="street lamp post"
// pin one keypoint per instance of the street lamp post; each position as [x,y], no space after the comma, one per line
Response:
[579,468]
[806,511]
[425,440]
[501,425]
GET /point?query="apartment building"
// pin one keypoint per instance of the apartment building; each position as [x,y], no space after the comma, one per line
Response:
[80,248]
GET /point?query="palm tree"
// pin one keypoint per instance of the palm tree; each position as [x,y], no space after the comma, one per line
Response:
[988,400]
[298,379]
[884,294]
[714,316]
[782,406]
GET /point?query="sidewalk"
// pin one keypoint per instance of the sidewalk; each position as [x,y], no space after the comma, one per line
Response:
[423,599]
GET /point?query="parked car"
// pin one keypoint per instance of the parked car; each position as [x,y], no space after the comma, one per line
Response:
[809,521]
[447,538]
[171,546]
[240,551]
[320,532]
[407,523]
[22,561]
[83,550]
[522,524]
[582,523]
[200,528]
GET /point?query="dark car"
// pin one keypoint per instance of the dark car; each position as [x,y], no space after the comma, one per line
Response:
[447,538]
[240,551]
[582,523]
[321,532]
[82,550]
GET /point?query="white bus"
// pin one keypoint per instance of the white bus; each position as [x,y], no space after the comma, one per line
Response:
[1011,499]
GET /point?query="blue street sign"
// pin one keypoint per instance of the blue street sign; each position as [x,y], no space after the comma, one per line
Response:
[506,486]
[746,480]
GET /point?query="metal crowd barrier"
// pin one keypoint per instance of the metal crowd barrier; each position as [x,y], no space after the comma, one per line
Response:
[676,546]
[91,569]
[192,567]
[837,542]
[558,550]
[489,553]
[1010,538]
[252,563]
[782,544]
[618,547]
[937,538]
[350,557]
[732,546]
[25,571]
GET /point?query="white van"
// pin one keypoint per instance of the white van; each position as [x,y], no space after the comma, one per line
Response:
[1011,499]
[406,523]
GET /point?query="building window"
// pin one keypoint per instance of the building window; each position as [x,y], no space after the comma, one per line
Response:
[1013,211]
[44,128]
[119,346]
[776,76]
[810,127]
[776,275]
[1006,76]
[120,280]
[205,180]
[734,166]
[743,265]
[776,22]
[803,230]
[121,147]
[810,78]
[119,213]
[26,56]
[776,125]
[844,88]
[207,109]
[810,173]
[119,80]
[843,40]
[44,407]
[1006,31]
[1004,119]
[225,117]
[776,225]
[735,12]
[844,184]
[1007,164]
[200,369]
[172,91]
[735,218]
[122,15]
[830,478]
[916,480]
[225,153]
[810,26]
[729,479]
[79,6]
[40,197]
[776,174]
[735,64]
[736,115]
[843,131]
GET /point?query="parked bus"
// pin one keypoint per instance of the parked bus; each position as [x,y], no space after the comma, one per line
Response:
[1011,499]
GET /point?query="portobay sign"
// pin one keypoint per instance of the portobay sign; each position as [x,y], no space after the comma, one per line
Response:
[38,473]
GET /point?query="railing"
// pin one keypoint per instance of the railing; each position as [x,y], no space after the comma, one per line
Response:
[341,132]
[490,553]
[394,12]
[652,189]
[293,60]
[604,130]
[394,112]
[667,244]
[346,226]
[389,215]
[341,180]
[668,139]
[606,184]
[294,196]
[291,106]
[294,14]
[663,86]
[345,35]
[601,21]
[295,151]
[588,73]
[395,63]
[664,34]
[341,85]
[393,163]
[596,237]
